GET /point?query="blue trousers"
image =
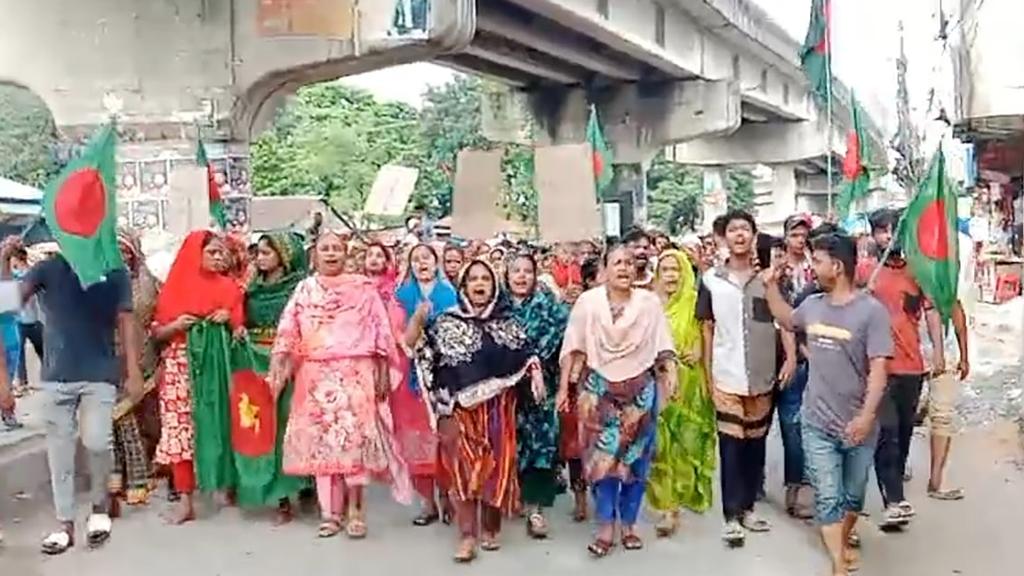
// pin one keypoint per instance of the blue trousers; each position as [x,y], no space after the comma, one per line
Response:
[789,401]
[618,500]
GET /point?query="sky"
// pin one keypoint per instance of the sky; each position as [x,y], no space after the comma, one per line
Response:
[864,38]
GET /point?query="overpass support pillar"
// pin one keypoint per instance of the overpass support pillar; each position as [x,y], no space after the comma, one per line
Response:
[715,195]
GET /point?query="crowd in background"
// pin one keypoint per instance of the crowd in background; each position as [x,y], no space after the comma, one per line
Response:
[486,379]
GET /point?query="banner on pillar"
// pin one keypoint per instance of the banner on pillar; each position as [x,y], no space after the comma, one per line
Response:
[476,200]
[566,198]
[188,204]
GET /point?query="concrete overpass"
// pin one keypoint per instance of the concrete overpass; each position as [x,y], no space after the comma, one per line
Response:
[716,77]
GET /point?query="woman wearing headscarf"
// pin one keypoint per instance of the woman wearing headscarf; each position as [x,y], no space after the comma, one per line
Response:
[425,287]
[334,337]
[198,304]
[280,266]
[416,438]
[544,319]
[132,449]
[684,465]
[618,343]
[477,354]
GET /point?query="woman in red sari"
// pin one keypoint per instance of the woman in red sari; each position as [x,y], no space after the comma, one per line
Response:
[197,289]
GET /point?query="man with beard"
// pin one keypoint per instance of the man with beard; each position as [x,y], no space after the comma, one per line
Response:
[848,344]
[740,342]
[639,243]
[894,286]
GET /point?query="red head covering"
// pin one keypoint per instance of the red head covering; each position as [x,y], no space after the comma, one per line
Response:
[566,274]
[190,289]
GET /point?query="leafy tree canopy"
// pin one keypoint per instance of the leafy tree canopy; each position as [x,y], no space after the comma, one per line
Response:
[28,137]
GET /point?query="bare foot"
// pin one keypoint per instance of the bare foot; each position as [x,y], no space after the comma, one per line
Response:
[852,560]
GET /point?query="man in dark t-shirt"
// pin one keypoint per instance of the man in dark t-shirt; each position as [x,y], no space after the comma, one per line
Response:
[81,374]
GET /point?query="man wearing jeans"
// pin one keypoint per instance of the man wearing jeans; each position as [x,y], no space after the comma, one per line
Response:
[80,376]
[848,344]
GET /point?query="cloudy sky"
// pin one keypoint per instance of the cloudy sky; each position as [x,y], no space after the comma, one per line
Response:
[865,45]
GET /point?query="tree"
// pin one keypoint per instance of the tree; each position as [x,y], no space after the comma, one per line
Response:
[739,182]
[28,137]
[331,140]
[676,195]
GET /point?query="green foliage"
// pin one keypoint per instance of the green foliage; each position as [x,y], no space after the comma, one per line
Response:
[331,140]
[739,182]
[675,195]
[28,137]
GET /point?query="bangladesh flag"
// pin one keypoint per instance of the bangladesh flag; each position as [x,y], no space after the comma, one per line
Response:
[856,178]
[602,155]
[814,54]
[928,234]
[80,207]
[216,203]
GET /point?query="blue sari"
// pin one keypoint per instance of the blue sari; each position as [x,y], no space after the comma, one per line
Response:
[442,298]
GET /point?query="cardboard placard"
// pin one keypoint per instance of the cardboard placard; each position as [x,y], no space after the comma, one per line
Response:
[567,200]
[476,200]
[391,190]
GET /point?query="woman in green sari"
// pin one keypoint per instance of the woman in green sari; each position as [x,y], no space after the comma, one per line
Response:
[684,465]
[280,266]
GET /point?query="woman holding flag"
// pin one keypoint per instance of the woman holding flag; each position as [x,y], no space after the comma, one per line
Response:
[280,266]
[199,303]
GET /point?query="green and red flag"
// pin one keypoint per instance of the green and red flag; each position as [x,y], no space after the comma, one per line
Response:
[815,57]
[602,155]
[217,212]
[928,235]
[80,207]
[856,178]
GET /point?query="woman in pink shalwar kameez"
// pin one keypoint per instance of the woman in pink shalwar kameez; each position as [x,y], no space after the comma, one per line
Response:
[335,336]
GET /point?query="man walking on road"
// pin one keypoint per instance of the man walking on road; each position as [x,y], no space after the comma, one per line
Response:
[80,376]
[848,344]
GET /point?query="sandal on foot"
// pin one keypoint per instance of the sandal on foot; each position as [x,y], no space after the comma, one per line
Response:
[356,529]
[632,542]
[329,528]
[489,543]
[751,521]
[667,526]
[59,542]
[853,540]
[600,548]
[733,534]
[426,518]
[466,552]
[97,529]
[948,495]
[537,526]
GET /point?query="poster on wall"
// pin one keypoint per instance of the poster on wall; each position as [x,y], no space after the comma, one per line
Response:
[319,18]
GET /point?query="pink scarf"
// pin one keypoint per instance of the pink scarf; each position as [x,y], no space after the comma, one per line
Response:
[621,349]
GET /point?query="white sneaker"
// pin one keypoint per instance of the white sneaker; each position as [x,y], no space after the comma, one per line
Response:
[893,518]
[907,509]
[97,529]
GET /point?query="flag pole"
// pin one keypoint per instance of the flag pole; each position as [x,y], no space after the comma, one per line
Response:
[828,100]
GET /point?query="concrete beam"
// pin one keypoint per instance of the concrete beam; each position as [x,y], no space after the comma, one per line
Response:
[546,38]
[765,143]
[510,56]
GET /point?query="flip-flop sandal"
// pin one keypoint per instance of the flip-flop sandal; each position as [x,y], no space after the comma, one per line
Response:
[755,523]
[426,519]
[97,531]
[667,526]
[356,529]
[58,542]
[632,542]
[466,552]
[600,548]
[853,540]
[537,526]
[947,495]
[329,528]
[489,543]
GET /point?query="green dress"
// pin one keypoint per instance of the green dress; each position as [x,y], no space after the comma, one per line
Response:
[264,303]
[544,319]
[684,463]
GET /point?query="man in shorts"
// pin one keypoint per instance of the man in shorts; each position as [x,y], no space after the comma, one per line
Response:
[849,341]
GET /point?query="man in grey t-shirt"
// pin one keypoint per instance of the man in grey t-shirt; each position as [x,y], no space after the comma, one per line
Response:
[848,341]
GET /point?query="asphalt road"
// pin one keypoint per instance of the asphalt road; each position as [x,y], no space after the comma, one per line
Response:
[977,536]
